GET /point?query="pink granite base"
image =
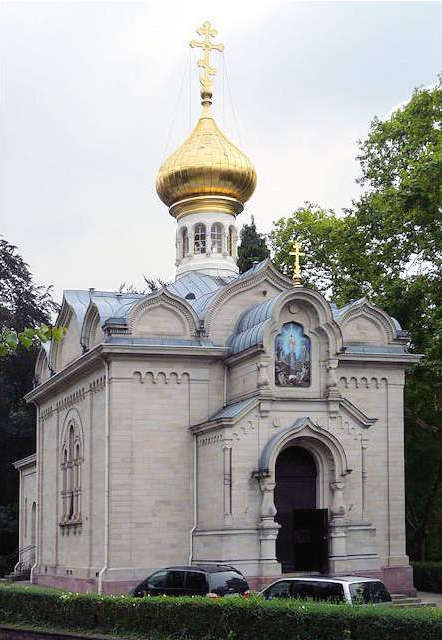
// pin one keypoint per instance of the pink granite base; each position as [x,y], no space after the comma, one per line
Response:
[396,579]
[68,583]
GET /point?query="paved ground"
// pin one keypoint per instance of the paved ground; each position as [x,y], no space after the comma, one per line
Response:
[430,597]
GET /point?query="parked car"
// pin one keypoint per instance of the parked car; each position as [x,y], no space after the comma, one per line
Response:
[350,589]
[197,580]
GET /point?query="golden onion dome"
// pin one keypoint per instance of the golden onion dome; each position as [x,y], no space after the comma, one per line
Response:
[208,172]
[206,166]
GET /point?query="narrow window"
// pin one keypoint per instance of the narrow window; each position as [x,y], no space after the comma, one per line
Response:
[185,242]
[71,472]
[71,477]
[200,238]
[217,238]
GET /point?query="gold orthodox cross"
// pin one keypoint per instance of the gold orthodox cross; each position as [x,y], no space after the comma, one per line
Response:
[297,266]
[207,46]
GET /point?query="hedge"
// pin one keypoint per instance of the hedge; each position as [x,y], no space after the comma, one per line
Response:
[223,619]
[428,576]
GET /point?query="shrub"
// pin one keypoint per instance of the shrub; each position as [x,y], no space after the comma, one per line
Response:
[428,576]
[206,619]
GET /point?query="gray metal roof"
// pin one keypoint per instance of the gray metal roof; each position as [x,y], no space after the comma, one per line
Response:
[232,410]
[79,301]
[249,330]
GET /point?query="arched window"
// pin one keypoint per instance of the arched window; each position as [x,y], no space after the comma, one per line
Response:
[185,236]
[200,238]
[217,238]
[71,476]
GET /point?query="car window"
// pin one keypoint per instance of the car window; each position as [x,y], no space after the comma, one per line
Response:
[329,591]
[175,579]
[280,589]
[303,589]
[157,579]
[196,581]
[369,592]
[223,582]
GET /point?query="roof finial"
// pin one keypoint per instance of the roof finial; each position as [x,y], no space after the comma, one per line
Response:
[297,267]
[208,32]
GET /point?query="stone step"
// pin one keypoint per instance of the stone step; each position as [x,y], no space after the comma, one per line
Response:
[413,605]
[407,600]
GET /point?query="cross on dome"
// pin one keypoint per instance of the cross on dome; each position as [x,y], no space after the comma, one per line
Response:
[207,46]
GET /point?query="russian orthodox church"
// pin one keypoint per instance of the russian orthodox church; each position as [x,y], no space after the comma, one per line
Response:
[226,418]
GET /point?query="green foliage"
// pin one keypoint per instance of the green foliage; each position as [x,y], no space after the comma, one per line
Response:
[10,339]
[388,247]
[428,576]
[253,247]
[206,619]
[25,311]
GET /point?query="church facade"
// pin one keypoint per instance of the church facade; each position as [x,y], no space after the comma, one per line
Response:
[226,418]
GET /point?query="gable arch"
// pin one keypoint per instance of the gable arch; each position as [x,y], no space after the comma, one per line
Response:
[243,292]
[321,324]
[367,324]
[42,370]
[91,332]
[304,432]
[69,347]
[163,314]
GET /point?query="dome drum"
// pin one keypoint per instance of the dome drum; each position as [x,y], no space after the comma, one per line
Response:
[206,204]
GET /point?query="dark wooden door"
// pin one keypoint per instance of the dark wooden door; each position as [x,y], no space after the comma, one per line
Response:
[302,539]
[310,540]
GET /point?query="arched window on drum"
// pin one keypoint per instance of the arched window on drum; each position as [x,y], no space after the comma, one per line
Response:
[199,238]
[217,238]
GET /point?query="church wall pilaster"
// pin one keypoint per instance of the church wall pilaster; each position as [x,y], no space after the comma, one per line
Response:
[395,462]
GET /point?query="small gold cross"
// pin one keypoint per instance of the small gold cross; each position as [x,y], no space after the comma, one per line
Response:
[297,266]
[208,32]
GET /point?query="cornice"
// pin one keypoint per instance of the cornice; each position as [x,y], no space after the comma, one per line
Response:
[384,358]
[104,351]
[25,462]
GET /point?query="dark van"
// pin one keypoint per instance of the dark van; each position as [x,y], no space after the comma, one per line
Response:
[215,581]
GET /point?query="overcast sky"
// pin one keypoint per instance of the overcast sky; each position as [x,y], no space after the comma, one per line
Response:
[93,94]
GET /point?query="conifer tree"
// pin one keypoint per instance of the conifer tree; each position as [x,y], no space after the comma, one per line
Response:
[253,247]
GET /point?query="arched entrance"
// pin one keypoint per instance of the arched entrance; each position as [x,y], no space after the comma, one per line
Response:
[302,542]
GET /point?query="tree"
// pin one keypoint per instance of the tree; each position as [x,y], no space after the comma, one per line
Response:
[388,247]
[253,247]
[22,304]
[152,286]
[10,339]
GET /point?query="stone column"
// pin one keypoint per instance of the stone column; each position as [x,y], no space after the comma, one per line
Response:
[225,238]
[332,380]
[338,507]
[268,530]
[208,228]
